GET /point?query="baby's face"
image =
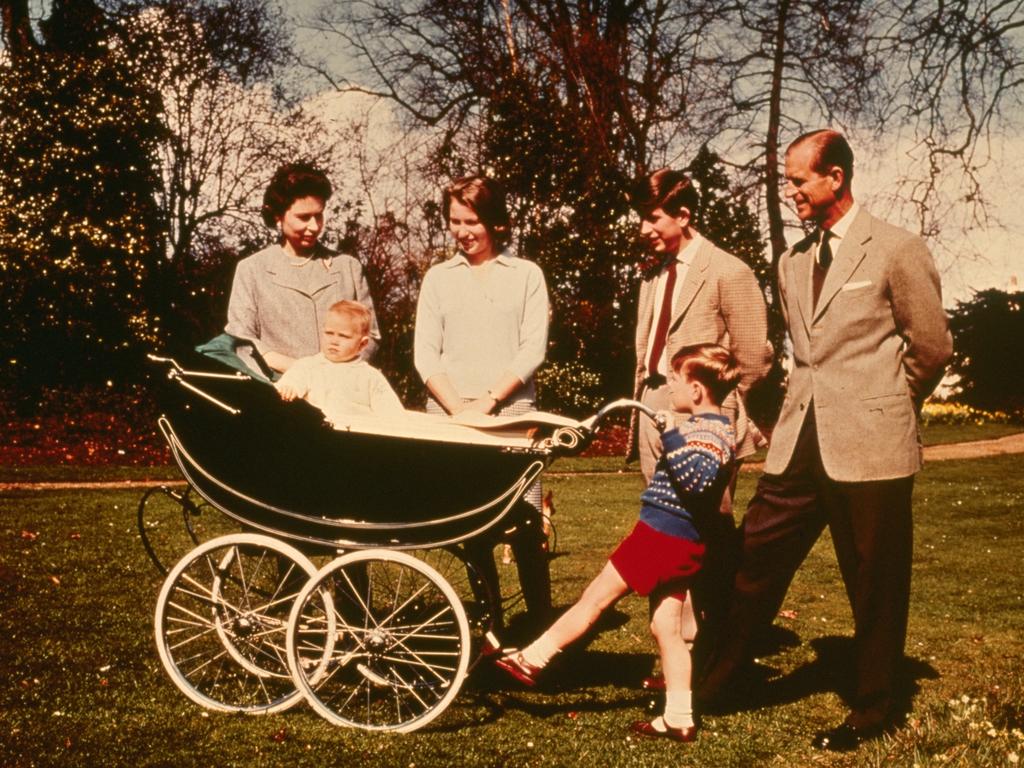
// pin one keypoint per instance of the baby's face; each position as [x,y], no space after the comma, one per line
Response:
[342,340]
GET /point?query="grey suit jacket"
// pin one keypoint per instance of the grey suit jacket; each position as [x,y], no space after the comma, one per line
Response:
[281,308]
[720,302]
[867,356]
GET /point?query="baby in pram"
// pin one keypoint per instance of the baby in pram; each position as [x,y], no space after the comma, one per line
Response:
[335,379]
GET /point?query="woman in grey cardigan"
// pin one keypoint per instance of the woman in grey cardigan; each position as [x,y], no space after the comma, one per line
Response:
[281,294]
[481,333]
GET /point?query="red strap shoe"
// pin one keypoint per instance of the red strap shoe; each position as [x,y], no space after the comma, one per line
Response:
[522,670]
[646,728]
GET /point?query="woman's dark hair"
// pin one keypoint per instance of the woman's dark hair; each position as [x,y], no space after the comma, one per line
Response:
[291,182]
[666,189]
[486,197]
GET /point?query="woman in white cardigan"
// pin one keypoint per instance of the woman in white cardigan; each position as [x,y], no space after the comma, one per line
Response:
[481,333]
[281,294]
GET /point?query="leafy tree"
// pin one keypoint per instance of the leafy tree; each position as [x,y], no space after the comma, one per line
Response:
[79,227]
[988,350]
[135,142]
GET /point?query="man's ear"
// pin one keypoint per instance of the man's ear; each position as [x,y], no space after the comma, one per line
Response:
[683,217]
[837,177]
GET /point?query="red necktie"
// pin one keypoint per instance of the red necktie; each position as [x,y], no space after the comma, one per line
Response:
[661,330]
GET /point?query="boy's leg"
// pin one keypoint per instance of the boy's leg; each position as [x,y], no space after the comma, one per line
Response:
[602,592]
[667,627]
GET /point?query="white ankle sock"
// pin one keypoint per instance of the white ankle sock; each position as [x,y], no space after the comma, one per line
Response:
[678,709]
[540,651]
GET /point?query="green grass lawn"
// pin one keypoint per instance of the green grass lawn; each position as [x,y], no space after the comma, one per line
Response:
[82,683]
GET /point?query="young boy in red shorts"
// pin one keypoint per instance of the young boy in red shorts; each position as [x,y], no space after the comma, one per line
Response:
[664,552]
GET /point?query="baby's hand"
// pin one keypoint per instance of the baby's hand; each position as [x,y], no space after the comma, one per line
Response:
[287,391]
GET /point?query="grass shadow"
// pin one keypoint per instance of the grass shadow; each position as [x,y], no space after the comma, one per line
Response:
[830,672]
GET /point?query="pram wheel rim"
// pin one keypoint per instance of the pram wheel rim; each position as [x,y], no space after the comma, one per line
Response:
[405,644]
[220,621]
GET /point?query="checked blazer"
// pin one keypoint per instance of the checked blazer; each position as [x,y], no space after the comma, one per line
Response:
[719,302]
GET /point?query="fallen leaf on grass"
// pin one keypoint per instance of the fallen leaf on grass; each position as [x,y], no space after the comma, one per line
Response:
[55,580]
[788,614]
[30,535]
[279,735]
[75,536]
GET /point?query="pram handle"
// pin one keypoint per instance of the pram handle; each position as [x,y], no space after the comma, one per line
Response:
[179,374]
[594,422]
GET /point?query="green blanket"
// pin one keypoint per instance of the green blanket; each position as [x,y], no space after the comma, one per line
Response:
[239,354]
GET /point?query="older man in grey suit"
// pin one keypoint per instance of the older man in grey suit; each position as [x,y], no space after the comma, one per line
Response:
[863,308]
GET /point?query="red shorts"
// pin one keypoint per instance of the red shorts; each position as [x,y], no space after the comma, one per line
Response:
[648,559]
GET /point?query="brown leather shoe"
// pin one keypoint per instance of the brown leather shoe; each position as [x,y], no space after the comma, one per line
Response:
[653,683]
[646,728]
[522,670]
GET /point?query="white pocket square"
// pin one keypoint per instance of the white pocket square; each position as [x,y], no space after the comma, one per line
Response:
[855,286]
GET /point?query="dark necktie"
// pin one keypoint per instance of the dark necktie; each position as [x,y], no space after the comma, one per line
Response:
[664,317]
[825,250]
[822,263]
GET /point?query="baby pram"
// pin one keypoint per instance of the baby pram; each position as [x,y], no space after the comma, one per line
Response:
[377,637]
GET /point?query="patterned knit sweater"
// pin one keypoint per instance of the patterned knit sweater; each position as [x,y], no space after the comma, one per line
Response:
[690,477]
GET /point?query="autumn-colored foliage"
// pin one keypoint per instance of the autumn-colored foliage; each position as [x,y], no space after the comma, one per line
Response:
[90,427]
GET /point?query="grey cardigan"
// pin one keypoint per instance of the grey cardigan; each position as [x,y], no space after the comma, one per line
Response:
[279,302]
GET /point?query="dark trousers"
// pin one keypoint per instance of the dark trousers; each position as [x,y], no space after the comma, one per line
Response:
[872,533]
[532,562]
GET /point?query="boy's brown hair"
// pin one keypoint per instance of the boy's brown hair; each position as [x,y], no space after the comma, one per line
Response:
[354,311]
[666,189]
[710,364]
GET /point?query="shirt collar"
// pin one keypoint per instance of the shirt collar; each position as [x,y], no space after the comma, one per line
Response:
[840,228]
[322,359]
[460,260]
[687,254]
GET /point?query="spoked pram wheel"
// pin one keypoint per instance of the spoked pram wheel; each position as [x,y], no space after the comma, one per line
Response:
[221,622]
[398,642]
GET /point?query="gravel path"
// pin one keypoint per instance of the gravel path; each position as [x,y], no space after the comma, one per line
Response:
[973,450]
